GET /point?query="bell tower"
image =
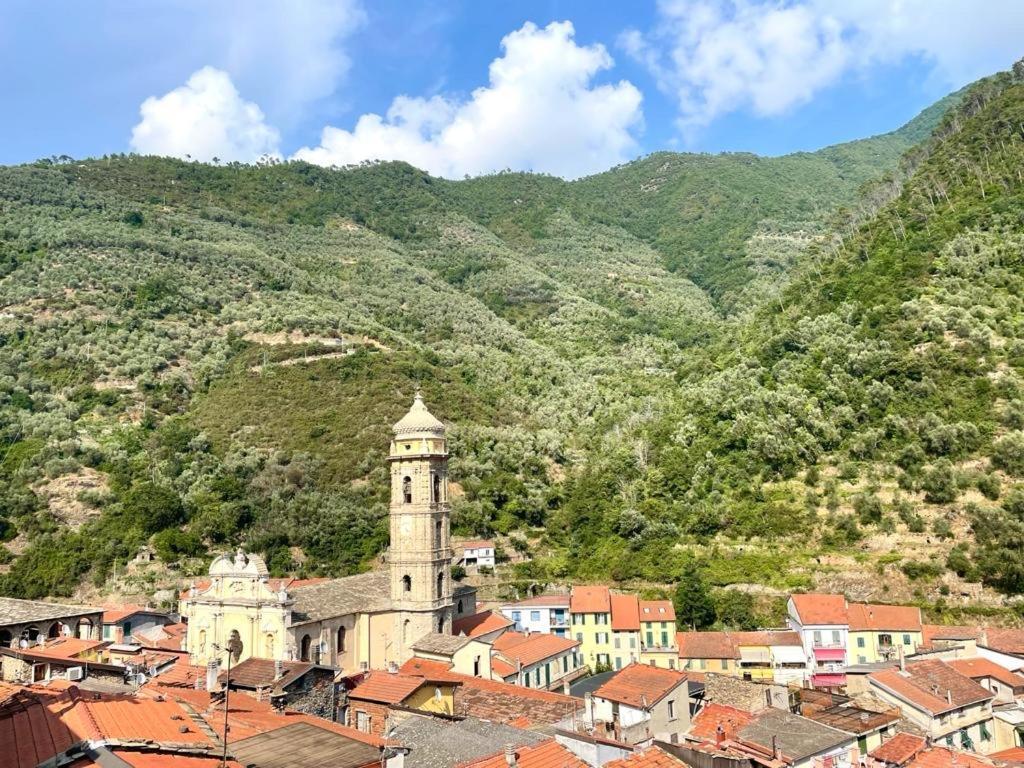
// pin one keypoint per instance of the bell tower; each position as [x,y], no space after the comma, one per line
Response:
[421,555]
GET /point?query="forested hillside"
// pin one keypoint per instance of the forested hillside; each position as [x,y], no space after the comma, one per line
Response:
[767,360]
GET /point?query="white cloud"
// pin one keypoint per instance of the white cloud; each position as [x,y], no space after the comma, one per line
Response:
[540,111]
[718,56]
[204,118]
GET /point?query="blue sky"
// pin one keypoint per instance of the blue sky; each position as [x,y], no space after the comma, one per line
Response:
[463,87]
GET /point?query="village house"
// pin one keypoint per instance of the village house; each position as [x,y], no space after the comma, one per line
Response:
[797,741]
[943,703]
[882,632]
[625,630]
[297,685]
[640,703]
[590,610]
[476,554]
[870,727]
[121,622]
[658,634]
[766,655]
[359,622]
[536,660]
[822,623]
[897,750]
[484,626]
[544,613]
[379,700]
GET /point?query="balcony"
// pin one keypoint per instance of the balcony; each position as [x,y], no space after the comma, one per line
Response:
[830,653]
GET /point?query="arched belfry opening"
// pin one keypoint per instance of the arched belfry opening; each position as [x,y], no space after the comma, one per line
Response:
[407,490]
[407,583]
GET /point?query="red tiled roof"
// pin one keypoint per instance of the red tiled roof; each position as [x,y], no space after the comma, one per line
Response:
[1013,755]
[169,760]
[387,687]
[625,613]
[652,757]
[869,617]
[818,608]
[768,637]
[926,684]
[261,673]
[502,668]
[932,632]
[705,724]
[547,754]
[640,685]
[706,645]
[657,610]
[979,668]
[114,613]
[435,670]
[477,544]
[65,648]
[480,624]
[182,673]
[590,600]
[529,649]
[942,757]
[540,601]
[899,749]
[1005,640]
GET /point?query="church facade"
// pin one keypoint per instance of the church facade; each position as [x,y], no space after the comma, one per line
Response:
[367,621]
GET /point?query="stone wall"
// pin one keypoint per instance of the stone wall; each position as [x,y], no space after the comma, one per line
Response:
[747,695]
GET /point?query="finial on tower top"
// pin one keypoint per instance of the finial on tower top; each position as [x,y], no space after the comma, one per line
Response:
[419,420]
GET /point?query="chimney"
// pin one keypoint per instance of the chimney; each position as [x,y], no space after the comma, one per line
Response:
[393,667]
[510,756]
[776,752]
[949,697]
[719,735]
[212,683]
[278,669]
[903,659]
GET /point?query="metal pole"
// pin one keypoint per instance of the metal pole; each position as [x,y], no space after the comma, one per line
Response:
[227,694]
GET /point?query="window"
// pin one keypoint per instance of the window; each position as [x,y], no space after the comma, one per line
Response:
[671,663]
[362,721]
[602,637]
[725,665]
[885,640]
[835,636]
[985,735]
[407,583]
[817,637]
[600,618]
[476,666]
[618,662]
[701,664]
[618,642]
[435,488]
[534,615]
[579,636]
[341,640]
[304,647]
[671,709]
[906,639]
[440,624]
[565,664]
[517,616]
[458,607]
[650,639]
[632,642]
[862,659]
[860,642]
[440,584]
[536,677]
[437,534]
[579,618]
[127,629]
[407,489]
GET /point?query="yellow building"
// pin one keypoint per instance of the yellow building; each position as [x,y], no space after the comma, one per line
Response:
[658,634]
[355,623]
[765,655]
[590,611]
[882,632]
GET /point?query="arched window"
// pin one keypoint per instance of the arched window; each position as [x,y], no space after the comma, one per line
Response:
[440,624]
[268,646]
[32,633]
[435,488]
[437,534]
[407,489]
[54,630]
[405,632]
[304,648]
[440,584]
[459,607]
[85,629]
[341,640]
[407,583]
[202,642]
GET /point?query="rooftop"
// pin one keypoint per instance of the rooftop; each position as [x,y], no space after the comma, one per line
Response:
[657,610]
[440,644]
[706,645]
[388,687]
[540,601]
[547,754]
[476,544]
[261,673]
[933,632]
[302,744]
[640,685]
[797,737]
[529,649]
[625,613]
[1005,640]
[15,611]
[898,618]
[706,723]
[818,608]
[590,600]
[115,613]
[979,668]
[853,719]
[942,757]
[482,623]
[899,749]
[437,743]
[652,757]
[933,686]
[418,420]
[362,593]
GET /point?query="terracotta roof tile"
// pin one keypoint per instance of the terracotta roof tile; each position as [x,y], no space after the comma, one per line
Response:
[169,760]
[1005,640]
[652,757]
[590,600]
[625,613]
[114,613]
[931,685]
[547,754]
[476,544]
[818,608]
[768,637]
[65,647]
[869,617]
[502,668]
[529,649]
[899,749]
[387,687]
[1013,755]
[979,668]
[640,685]
[705,724]
[941,757]
[706,645]
[932,632]
[480,624]
[657,610]
[181,674]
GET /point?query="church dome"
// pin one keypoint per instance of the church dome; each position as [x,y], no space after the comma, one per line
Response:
[419,420]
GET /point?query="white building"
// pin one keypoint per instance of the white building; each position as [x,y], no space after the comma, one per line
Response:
[545,613]
[477,553]
[824,631]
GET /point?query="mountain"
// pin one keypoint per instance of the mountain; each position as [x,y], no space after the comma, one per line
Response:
[688,354]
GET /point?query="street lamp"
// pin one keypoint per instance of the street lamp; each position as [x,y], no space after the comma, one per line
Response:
[234,651]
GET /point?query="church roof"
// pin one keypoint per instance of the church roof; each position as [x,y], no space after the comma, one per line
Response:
[363,593]
[419,419]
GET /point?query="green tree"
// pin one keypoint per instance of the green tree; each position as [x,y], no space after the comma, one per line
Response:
[152,507]
[692,599]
